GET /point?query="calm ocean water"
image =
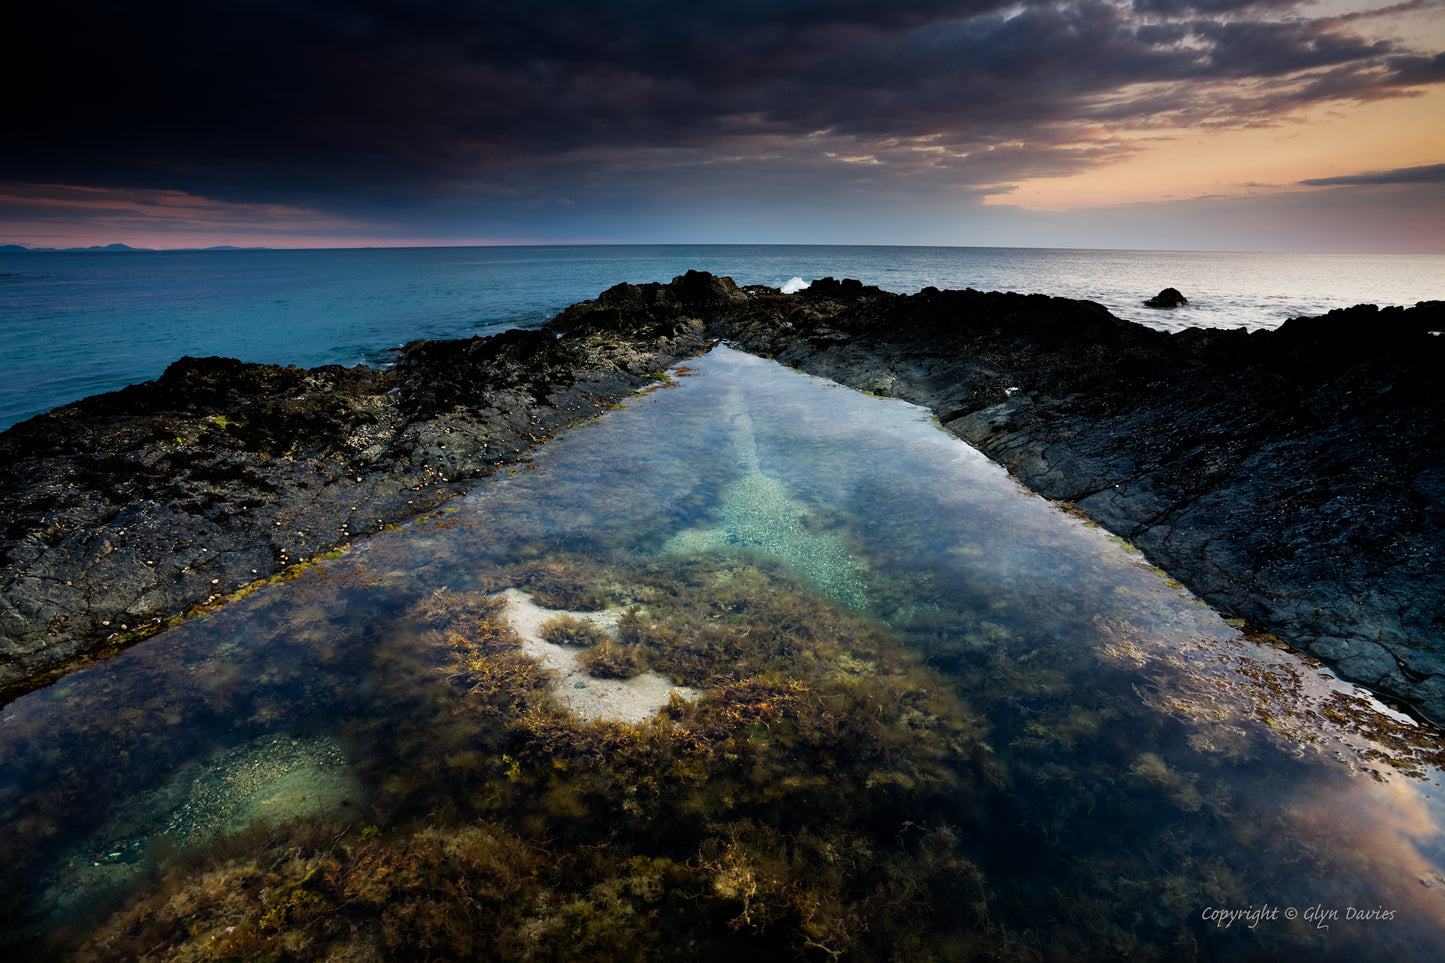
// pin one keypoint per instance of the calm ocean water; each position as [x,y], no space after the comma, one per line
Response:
[76,324]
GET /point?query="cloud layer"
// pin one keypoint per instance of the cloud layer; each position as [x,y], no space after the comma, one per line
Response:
[1428,174]
[372,108]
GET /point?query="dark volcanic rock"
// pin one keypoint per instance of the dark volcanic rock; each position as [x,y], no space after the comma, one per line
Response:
[119,512]
[1293,478]
[1167,298]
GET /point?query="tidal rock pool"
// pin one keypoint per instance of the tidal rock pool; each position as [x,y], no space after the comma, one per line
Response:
[753,664]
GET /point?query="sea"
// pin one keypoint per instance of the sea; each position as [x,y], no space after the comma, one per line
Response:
[75,324]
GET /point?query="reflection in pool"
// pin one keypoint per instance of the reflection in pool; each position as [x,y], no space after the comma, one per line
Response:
[891,705]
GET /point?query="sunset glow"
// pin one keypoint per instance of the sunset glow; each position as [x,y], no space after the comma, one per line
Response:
[1107,124]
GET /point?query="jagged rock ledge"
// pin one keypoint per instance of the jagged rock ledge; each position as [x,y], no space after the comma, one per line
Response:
[125,511]
[1292,478]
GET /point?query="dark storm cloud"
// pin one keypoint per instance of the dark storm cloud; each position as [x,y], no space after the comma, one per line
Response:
[313,101]
[1418,71]
[1428,174]
[1189,7]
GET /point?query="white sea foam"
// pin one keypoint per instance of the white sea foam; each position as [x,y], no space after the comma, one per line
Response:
[795,285]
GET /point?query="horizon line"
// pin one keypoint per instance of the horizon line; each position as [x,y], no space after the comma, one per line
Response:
[118,247]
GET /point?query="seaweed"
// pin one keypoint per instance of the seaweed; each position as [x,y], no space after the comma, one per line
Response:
[974,766]
[801,807]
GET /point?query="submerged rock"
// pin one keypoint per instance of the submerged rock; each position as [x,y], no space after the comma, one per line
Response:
[759,514]
[632,700]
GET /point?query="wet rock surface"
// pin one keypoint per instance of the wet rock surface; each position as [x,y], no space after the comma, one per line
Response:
[123,511]
[1291,478]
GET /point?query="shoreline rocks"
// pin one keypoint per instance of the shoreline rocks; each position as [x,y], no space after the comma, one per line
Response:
[1294,478]
[125,511]
[1291,478]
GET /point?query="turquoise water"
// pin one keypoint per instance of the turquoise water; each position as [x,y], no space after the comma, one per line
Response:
[923,712]
[77,324]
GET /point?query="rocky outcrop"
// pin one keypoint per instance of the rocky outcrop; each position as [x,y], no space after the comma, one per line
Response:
[1167,298]
[1292,478]
[122,512]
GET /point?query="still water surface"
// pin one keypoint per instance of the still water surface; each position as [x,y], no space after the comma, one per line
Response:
[926,712]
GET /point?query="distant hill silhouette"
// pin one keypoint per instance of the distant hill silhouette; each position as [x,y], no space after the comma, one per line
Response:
[22,249]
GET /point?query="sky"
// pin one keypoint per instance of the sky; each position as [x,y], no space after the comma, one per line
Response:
[1294,125]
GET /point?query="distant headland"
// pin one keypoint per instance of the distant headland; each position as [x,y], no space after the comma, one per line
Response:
[102,248]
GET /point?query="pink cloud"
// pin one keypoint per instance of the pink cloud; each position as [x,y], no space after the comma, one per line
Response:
[62,214]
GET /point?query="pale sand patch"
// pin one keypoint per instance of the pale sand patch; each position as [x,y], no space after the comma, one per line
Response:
[312,791]
[613,700]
